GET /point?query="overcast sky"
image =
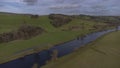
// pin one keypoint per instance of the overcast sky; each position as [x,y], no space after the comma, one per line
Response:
[92,7]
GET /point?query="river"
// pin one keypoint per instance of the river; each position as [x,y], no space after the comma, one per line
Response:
[45,7]
[63,49]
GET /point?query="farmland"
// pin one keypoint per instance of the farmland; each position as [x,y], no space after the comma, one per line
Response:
[102,53]
[77,26]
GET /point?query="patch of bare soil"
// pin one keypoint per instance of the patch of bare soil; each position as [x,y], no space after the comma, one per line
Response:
[75,28]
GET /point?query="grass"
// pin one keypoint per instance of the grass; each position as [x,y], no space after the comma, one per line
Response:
[51,37]
[103,53]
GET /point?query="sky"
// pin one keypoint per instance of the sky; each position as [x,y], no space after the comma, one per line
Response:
[43,7]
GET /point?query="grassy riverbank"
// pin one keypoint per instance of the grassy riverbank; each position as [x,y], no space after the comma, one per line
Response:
[103,53]
[52,36]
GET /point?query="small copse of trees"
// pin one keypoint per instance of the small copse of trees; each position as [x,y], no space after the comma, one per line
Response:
[58,20]
[23,32]
[34,16]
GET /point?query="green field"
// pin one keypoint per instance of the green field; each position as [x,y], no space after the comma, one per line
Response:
[102,53]
[52,36]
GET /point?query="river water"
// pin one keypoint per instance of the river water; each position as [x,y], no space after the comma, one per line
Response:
[44,7]
[63,49]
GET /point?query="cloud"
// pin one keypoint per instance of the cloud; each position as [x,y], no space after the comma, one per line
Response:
[66,6]
[10,0]
[30,2]
[93,7]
